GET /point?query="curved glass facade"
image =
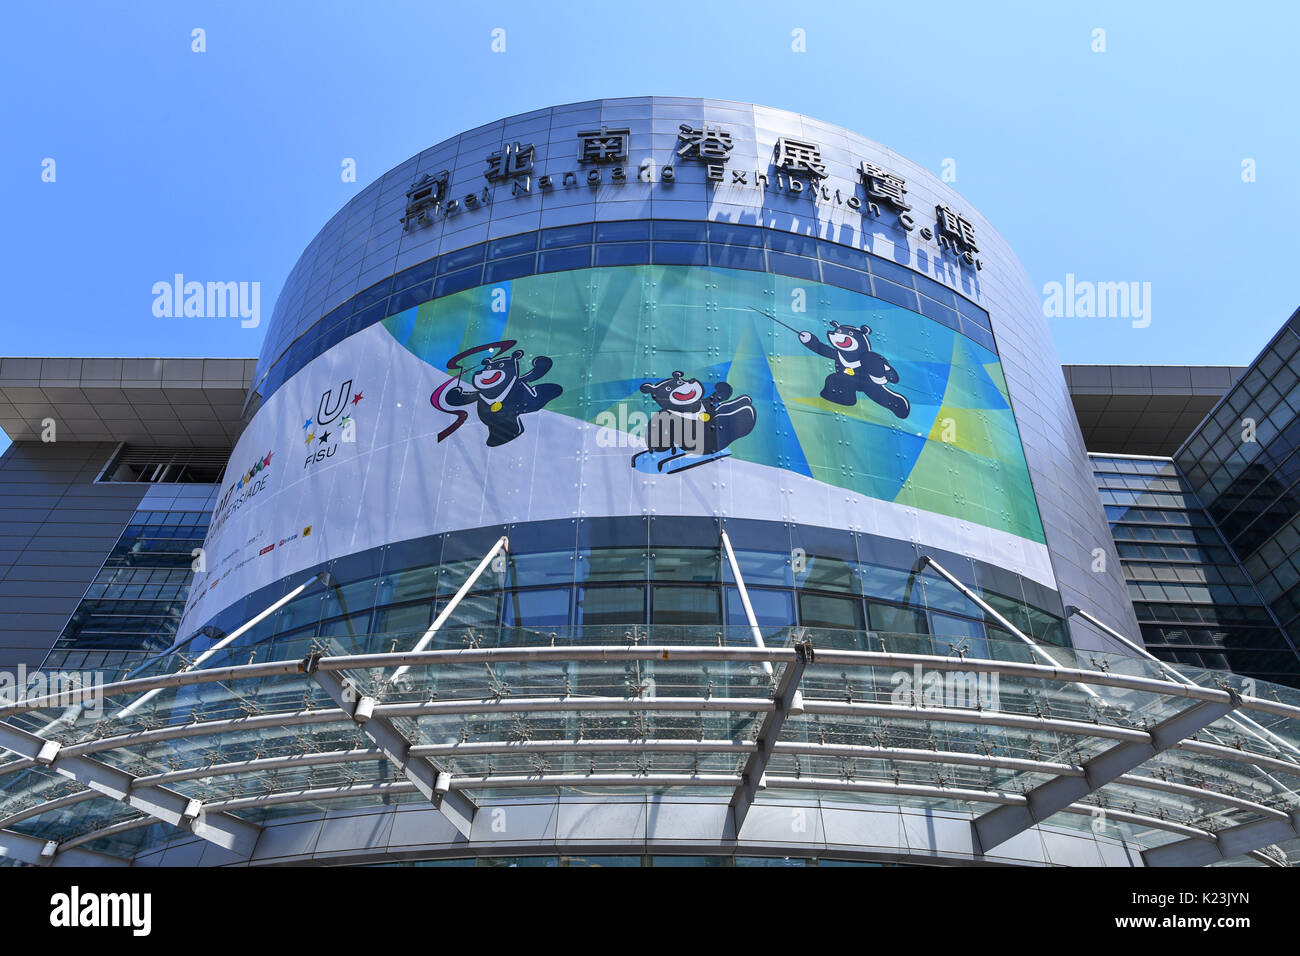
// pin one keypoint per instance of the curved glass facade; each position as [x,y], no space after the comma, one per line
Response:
[574,577]
[675,242]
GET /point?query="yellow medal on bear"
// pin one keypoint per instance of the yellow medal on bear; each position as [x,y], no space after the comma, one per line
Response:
[704,416]
[495,406]
[848,371]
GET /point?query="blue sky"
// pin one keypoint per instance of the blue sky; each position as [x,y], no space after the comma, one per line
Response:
[1122,165]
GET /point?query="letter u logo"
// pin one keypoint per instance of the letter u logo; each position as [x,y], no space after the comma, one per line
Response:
[325,414]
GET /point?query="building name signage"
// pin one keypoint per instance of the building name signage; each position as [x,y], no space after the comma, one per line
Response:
[797,168]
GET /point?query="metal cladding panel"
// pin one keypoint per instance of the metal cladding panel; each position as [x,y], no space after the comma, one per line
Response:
[366,241]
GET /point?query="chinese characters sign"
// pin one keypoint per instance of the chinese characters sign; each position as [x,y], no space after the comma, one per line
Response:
[797,167]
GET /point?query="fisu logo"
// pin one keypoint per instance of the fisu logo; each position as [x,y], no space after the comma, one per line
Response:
[332,423]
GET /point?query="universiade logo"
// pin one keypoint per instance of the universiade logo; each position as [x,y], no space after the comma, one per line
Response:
[971,690]
[1083,299]
[208,300]
[249,484]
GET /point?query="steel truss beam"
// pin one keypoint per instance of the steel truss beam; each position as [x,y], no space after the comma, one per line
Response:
[997,826]
[160,803]
[1242,839]
[434,783]
[899,755]
[38,852]
[789,703]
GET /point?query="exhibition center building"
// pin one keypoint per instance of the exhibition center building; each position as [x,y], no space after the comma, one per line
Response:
[648,481]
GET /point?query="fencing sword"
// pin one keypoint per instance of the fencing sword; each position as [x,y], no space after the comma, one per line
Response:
[776,320]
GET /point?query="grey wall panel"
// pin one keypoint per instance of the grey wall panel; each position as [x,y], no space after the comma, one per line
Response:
[56,527]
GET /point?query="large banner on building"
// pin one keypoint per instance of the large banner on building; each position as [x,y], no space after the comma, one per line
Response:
[673,390]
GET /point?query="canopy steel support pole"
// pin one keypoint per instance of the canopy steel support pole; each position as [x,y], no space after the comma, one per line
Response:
[1241,720]
[987,608]
[789,703]
[744,600]
[998,826]
[323,577]
[503,544]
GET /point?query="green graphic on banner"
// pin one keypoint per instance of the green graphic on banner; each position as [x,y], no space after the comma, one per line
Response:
[814,379]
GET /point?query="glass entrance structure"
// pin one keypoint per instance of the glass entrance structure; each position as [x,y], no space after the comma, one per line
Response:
[656,478]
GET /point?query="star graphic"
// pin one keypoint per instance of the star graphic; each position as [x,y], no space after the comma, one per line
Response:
[324,437]
[267,460]
[306,425]
[357,397]
[310,436]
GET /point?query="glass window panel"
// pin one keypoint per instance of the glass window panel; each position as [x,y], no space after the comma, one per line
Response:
[622,231]
[685,564]
[547,567]
[415,275]
[948,630]
[475,609]
[680,230]
[772,608]
[842,255]
[791,243]
[512,245]
[610,605]
[797,266]
[894,584]
[738,257]
[566,236]
[458,281]
[559,260]
[623,254]
[735,235]
[891,271]
[453,261]
[888,618]
[685,606]
[407,620]
[681,253]
[846,278]
[818,610]
[613,564]
[543,608]
[896,294]
[510,268]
